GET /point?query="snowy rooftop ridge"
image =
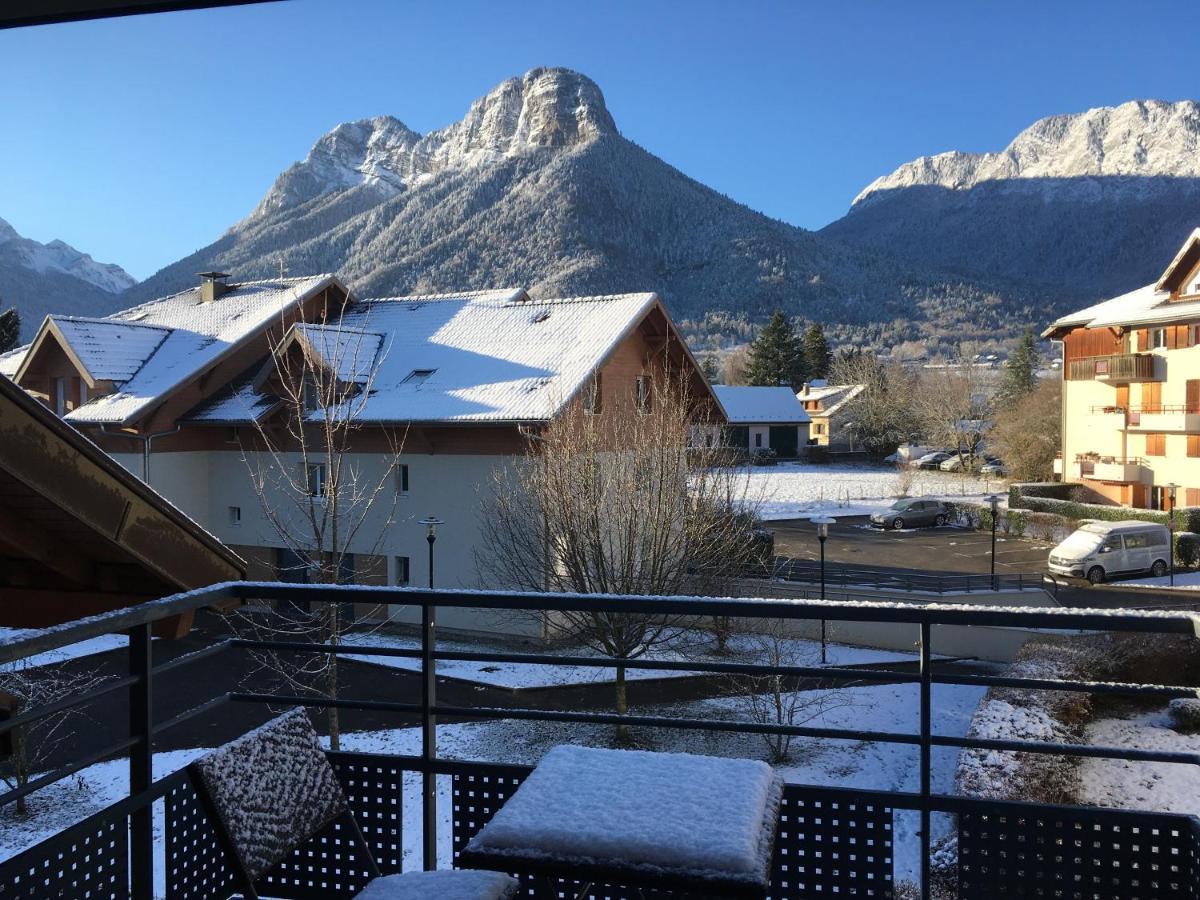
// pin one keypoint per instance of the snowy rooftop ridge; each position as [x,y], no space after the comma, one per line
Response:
[110,350]
[750,405]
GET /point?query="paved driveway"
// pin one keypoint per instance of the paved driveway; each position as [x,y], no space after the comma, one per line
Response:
[948,550]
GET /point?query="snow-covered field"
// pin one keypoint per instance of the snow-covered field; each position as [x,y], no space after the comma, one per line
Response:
[802,490]
[693,646]
[1164,787]
[826,763]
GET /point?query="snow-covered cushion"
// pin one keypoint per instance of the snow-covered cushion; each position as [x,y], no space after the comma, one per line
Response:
[272,789]
[694,816]
[457,884]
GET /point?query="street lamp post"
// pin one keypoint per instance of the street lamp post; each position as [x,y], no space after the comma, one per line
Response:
[823,523]
[1171,489]
[428,699]
[994,502]
[431,524]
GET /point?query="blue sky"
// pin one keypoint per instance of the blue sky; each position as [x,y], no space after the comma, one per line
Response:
[139,140]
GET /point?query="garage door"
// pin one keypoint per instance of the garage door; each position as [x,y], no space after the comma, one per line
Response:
[783,440]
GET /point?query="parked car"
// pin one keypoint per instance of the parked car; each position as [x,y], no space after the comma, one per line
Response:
[933,460]
[953,464]
[994,467]
[893,458]
[912,514]
[1099,550]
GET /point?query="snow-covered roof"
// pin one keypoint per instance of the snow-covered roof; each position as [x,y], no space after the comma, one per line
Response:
[188,337]
[749,405]
[349,352]
[832,396]
[493,356]
[10,360]
[109,350]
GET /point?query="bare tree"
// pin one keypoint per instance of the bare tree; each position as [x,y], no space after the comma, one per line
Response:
[321,495]
[881,414]
[1027,433]
[954,406]
[620,500]
[30,687]
[777,699]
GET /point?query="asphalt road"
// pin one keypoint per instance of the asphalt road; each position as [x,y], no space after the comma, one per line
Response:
[948,550]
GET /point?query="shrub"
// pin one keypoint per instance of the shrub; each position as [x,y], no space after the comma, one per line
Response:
[1187,548]
[1184,713]
[1186,518]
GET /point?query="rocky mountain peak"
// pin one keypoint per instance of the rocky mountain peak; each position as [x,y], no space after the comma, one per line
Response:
[60,257]
[546,107]
[1141,138]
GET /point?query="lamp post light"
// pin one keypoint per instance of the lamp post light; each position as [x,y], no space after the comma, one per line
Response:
[1171,489]
[823,523]
[993,501]
[431,524]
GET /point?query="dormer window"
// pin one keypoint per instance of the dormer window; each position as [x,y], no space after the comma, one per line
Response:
[418,376]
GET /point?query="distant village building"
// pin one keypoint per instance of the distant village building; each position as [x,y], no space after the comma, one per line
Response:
[1131,390]
[176,390]
[828,408]
[763,419]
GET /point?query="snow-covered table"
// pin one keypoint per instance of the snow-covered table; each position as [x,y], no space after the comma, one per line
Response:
[669,821]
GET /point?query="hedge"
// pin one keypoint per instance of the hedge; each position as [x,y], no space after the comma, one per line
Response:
[1057,490]
[1187,518]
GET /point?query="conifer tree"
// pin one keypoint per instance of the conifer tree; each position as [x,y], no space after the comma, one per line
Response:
[817,357]
[10,329]
[1020,371]
[776,356]
[712,372]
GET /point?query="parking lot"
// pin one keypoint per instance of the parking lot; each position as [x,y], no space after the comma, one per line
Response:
[951,550]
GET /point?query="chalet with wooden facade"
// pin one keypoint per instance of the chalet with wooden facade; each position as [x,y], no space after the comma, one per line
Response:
[178,388]
[1131,390]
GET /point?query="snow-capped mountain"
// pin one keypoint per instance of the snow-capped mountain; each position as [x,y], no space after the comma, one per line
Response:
[1097,200]
[57,256]
[536,187]
[41,278]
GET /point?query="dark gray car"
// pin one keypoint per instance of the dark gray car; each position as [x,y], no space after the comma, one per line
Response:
[912,514]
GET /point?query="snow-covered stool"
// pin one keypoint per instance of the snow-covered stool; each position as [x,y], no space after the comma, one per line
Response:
[272,790]
[695,825]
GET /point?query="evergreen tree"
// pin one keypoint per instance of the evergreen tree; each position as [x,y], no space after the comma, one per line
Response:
[1020,371]
[776,356]
[10,329]
[817,356]
[711,370]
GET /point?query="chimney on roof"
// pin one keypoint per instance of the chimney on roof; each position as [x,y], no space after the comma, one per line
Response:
[213,285]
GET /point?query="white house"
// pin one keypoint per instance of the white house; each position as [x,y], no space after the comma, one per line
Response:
[763,418]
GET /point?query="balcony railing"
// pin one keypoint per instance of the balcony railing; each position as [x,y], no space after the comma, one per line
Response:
[1121,367]
[833,841]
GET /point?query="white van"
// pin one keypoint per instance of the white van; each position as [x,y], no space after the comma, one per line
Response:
[1099,550]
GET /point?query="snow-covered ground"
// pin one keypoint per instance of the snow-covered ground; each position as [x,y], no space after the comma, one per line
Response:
[1163,787]
[826,763]
[802,490]
[693,646]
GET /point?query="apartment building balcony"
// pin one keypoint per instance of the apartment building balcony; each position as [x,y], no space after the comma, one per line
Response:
[1161,417]
[160,837]
[1120,368]
[1116,469]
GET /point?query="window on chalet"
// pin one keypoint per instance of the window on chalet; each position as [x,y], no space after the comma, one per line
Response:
[402,480]
[235,515]
[1192,496]
[402,571]
[593,395]
[418,377]
[310,398]
[1193,447]
[60,396]
[1158,338]
[317,480]
[1156,445]
[642,390]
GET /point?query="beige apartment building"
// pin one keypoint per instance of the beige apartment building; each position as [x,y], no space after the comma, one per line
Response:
[1131,390]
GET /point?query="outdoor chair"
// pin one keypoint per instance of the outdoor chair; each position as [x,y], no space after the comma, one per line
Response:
[272,790]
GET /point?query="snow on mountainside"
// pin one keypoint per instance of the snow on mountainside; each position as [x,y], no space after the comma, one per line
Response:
[1095,202]
[544,108]
[60,257]
[39,279]
[1145,138]
[536,187]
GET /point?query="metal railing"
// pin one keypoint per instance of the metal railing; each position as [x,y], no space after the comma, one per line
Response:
[846,579]
[47,861]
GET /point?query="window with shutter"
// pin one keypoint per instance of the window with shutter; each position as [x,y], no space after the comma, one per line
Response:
[1193,445]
